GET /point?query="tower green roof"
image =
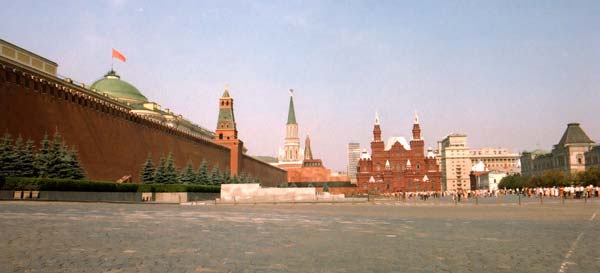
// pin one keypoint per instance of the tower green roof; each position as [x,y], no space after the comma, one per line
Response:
[226,118]
[226,94]
[291,112]
[115,87]
[575,135]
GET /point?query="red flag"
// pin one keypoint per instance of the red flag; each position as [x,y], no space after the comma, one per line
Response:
[118,55]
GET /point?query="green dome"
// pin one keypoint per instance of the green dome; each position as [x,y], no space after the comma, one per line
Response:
[115,87]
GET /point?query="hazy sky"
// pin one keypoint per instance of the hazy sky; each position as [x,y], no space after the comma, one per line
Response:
[507,73]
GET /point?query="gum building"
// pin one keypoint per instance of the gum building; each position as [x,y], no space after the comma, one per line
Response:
[398,165]
[568,156]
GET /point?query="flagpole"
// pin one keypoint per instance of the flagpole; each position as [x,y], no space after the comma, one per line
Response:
[112,62]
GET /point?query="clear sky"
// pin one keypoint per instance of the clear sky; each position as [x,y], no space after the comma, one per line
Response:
[507,73]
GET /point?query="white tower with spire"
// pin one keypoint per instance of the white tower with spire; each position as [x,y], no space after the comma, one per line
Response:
[291,152]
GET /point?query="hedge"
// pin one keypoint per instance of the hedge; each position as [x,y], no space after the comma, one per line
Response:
[54,184]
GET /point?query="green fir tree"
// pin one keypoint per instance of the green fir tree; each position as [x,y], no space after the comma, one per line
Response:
[215,176]
[147,174]
[56,160]
[66,161]
[25,158]
[187,176]
[170,175]
[202,177]
[16,169]
[243,178]
[77,172]
[8,158]
[226,177]
[41,158]
[159,175]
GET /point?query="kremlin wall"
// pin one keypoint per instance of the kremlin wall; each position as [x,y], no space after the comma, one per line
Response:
[113,137]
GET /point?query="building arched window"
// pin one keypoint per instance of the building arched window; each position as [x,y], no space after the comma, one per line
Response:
[579,159]
[220,136]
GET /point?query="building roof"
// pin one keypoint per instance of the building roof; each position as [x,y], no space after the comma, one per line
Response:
[479,167]
[226,94]
[291,112]
[574,135]
[392,140]
[536,152]
[364,154]
[226,117]
[430,153]
[27,51]
[266,159]
[307,150]
[120,89]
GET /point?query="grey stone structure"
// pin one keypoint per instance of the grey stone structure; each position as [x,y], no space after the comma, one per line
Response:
[567,156]
[592,158]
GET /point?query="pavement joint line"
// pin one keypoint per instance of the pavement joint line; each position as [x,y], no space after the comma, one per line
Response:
[566,262]
[564,265]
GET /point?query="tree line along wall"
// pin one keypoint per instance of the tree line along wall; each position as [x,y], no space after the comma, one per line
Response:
[111,141]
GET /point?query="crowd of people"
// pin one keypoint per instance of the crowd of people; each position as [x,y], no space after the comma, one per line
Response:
[569,192]
[575,192]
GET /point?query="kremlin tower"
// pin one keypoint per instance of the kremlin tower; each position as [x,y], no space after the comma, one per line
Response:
[298,162]
[291,155]
[227,134]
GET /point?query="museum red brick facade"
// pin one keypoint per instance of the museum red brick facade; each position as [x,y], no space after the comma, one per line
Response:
[400,166]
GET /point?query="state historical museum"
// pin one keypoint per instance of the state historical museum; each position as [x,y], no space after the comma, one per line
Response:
[398,165]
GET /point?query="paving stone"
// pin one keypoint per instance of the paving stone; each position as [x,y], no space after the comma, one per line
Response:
[427,237]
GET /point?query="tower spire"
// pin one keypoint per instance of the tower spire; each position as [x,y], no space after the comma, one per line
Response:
[307,150]
[291,112]
[226,92]
[292,141]
[226,127]
[376,129]
[416,131]
[416,118]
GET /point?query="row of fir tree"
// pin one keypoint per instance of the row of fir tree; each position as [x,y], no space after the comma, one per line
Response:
[167,173]
[53,159]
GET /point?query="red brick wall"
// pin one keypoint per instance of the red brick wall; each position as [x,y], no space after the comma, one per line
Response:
[111,141]
[270,176]
[313,174]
